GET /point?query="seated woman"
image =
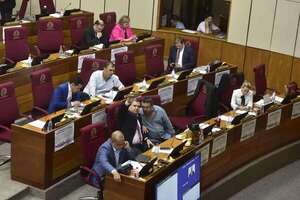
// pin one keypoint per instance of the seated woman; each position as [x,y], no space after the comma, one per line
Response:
[122,31]
[207,26]
[291,92]
[242,98]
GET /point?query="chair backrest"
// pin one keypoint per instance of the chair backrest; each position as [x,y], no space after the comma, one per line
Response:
[156,99]
[198,105]
[77,25]
[42,87]
[23,8]
[194,44]
[292,88]
[260,79]
[16,45]
[112,112]
[50,35]
[8,104]
[110,19]
[89,65]
[49,5]
[154,59]
[125,67]
[91,137]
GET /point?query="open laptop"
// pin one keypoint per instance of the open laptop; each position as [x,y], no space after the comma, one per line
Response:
[55,120]
[88,108]
[176,151]
[148,168]
[237,119]
[267,106]
[122,93]
[208,129]
[184,74]
[155,83]
[143,36]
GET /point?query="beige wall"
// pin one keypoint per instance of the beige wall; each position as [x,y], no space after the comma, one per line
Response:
[140,13]
[121,7]
[95,6]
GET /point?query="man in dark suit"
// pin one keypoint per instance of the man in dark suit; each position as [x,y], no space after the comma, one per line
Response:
[95,35]
[66,95]
[6,8]
[110,156]
[130,123]
[181,56]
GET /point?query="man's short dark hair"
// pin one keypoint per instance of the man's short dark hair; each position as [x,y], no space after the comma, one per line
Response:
[77,81]
[179,40]
[148,100]
[109,63]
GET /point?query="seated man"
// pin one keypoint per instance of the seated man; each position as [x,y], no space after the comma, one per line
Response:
[181,57]
[207,26]
[156,122]
[66,95]
[102,81]
[110,156]
[242,98]
[175,22]
[95,35]
[130,124]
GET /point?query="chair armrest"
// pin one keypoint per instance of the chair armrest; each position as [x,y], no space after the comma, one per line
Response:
[40,110]
[4,127]
[89,172]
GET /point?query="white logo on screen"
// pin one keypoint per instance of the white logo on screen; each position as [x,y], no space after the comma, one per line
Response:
[191,170]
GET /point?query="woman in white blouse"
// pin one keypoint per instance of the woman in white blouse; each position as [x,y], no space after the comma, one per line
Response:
[242,98]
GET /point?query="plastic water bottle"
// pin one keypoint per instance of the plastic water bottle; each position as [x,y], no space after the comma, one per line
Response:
[50,126]
[29,60]
[61,52]
[173,74]
[144,83]
[273,96]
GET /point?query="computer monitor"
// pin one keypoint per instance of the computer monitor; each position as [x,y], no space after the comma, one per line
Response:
[176,151]
[143,36]
[184,74]
[155,83]
[148,168]
[237,119]
[89,107]
[122,93]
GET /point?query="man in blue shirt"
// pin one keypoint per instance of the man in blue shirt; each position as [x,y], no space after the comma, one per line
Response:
[66,95]
[155,122]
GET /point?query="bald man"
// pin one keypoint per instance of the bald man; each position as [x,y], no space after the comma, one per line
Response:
[95,35]
[110,156]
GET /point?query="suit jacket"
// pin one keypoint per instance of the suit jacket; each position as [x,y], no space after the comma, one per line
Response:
[105,160]
[128,122]
[188,57]
[90,38]
[8,4]
[59,98]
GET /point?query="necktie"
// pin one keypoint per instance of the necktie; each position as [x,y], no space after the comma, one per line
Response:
[139,132]
[243,100]
[125,33]
[177,56]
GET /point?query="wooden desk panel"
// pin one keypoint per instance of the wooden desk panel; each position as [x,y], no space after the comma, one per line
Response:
[65,69]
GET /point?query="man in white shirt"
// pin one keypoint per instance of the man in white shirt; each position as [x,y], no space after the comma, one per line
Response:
[207,26]
[102,81]
[242,98]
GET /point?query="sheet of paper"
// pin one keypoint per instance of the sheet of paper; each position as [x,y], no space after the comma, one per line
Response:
[278,99]
[188,31]
[240,112]
[38,123]
[117,50]
[166,94]
[203,125]
[81,58]
[204,154]
[296,110]
[273,119]
[192,85]
[219,75]
[135,165]
[226,118]
[248,130]
[64,136]
[99,117]
[219,145]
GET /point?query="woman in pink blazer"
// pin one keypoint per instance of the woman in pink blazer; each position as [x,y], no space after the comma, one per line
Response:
[122,31]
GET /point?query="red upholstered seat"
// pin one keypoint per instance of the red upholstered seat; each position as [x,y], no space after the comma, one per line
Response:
[92,136]
[198,110]
[41,82]
[50,35]
[109,19]
[89,65]
[125,67]
[77,25]
[154,60]
[16,45]
[194,44]
[49,5]
[112,116]
[260,79]
[9,109]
